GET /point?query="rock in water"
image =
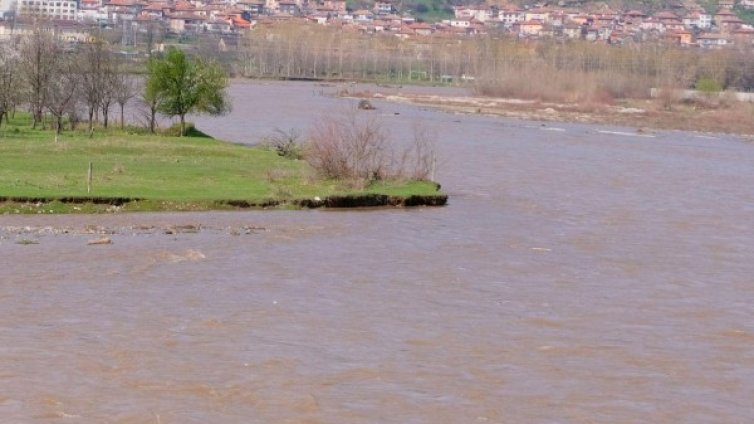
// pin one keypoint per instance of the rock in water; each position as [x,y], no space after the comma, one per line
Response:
[104,240]
[366,105]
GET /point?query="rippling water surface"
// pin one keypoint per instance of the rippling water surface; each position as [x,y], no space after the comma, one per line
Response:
[580,274]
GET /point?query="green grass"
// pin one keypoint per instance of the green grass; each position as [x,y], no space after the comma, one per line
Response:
[167,173]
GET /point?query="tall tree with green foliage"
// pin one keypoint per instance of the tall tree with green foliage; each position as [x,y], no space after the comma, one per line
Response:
[186,85]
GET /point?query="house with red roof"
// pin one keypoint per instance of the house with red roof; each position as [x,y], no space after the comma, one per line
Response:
[339,6]
[681,38]
[722,15]
[713,41]
[528,28]
[423,29]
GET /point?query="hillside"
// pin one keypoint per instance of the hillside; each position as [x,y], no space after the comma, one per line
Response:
[435,10]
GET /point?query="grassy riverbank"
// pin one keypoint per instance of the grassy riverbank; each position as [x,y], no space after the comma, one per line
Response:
[140,172]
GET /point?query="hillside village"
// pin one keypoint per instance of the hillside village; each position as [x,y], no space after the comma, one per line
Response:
[684,24]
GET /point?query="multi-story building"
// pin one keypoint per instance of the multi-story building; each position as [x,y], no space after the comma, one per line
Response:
[511,16]
[6,7]
[64,10]
[382,7]
[698,19]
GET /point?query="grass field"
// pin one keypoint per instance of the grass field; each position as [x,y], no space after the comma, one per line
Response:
[164,173]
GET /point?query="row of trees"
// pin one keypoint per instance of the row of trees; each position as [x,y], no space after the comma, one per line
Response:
[60,84]
[52,81]
[314,51]
[584,71]
[498,65]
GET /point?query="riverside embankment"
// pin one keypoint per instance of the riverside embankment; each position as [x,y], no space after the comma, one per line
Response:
[131,170]
[580,273]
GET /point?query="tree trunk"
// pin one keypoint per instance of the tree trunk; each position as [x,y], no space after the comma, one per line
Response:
[37,119]
[183,124]
[91,122]
[152,119]
[122,119]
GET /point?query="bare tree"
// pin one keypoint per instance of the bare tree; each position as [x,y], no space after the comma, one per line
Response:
[358,148]
[96,63]
[39,53]
[9,81]
[420,159]
[108,93]
[61,92]
[350,147]
[126,88]
[149,106]
[73,111]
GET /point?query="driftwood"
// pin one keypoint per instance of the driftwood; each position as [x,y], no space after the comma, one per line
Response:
[100,241]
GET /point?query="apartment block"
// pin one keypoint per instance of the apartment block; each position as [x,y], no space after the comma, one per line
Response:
[49,9]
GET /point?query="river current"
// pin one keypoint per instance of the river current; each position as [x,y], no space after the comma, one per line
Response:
[579,274]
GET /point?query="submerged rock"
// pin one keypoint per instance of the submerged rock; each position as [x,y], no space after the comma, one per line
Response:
[366,105]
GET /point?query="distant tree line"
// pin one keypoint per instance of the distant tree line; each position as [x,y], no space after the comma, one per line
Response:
[60,85]
[64,86]
[547,69]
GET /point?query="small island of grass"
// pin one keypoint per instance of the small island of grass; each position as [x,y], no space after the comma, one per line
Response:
[137,171]
[348,162]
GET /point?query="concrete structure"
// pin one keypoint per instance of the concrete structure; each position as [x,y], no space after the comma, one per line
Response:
[64,10]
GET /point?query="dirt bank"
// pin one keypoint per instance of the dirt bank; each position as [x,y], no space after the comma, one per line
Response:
[49,205]
[733,118]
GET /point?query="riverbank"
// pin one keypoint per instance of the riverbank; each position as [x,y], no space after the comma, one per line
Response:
[133,171]
[610,257]
[723,116]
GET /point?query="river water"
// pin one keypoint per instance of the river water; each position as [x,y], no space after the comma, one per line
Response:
[579,274]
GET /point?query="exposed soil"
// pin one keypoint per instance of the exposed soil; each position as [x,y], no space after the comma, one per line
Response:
[643,114]
[105,204]
[96,200]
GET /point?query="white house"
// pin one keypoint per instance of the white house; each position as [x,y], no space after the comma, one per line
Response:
[712,41]
[460,23]
[510,16]
[480,13]
[384,7]
[699,20]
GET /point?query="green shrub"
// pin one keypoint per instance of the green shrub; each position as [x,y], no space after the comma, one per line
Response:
[136,130]
[708,86]
[175,131]
[285,143]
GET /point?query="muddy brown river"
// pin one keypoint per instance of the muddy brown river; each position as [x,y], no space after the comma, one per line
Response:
[579,274]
